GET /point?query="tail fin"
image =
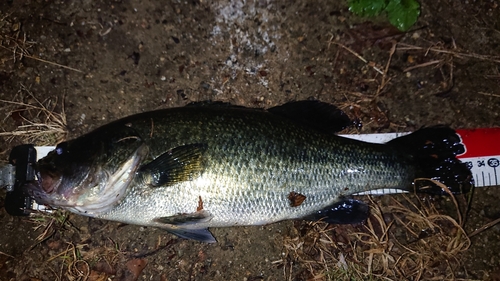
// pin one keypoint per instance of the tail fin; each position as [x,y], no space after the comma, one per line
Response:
[434,150]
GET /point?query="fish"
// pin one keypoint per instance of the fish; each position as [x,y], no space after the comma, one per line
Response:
[212,164]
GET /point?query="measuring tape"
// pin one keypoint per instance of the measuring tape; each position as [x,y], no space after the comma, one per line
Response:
[482,155]
[482,151]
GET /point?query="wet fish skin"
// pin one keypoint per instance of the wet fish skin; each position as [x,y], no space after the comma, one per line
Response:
[215,166]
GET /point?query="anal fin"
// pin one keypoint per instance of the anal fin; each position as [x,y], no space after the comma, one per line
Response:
[347,211]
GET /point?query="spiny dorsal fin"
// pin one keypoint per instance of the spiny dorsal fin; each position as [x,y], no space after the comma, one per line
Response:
[314,114]
[180,164]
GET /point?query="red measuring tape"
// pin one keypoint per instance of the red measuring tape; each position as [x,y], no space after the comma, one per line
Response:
[482,154]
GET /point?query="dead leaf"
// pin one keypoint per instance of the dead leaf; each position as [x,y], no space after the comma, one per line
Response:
[97,276]
[135,267]
[200,204]
[296,199]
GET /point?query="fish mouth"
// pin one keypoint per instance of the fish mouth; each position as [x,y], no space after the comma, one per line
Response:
[32,188]
[48,181]
[44,189]
[36,191]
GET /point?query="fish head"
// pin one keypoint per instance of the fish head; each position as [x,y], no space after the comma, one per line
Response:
[89,174]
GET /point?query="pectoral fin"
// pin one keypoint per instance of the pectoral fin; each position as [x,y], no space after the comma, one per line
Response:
[176,165]
[184,225]
[347,211]
[186,219]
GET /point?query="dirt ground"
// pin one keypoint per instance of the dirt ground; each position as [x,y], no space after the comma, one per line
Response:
[104,60]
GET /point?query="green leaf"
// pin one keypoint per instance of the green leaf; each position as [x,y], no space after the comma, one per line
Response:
[403,13]
[367,8]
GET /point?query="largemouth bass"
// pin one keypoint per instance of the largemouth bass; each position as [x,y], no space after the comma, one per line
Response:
[214,165]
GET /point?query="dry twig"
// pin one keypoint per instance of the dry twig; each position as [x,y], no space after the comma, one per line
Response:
[411,246]
[42,125]
[25,53]
[371,64]
[408,47]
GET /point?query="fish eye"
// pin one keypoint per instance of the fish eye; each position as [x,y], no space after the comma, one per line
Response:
[60,148]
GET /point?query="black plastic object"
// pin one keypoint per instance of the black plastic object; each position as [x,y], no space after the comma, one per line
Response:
[23,157]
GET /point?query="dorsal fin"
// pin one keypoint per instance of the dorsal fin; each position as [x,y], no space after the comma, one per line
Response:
[216,104]
[321,116]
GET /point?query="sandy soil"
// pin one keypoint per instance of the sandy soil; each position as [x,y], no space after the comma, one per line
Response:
[109,59]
